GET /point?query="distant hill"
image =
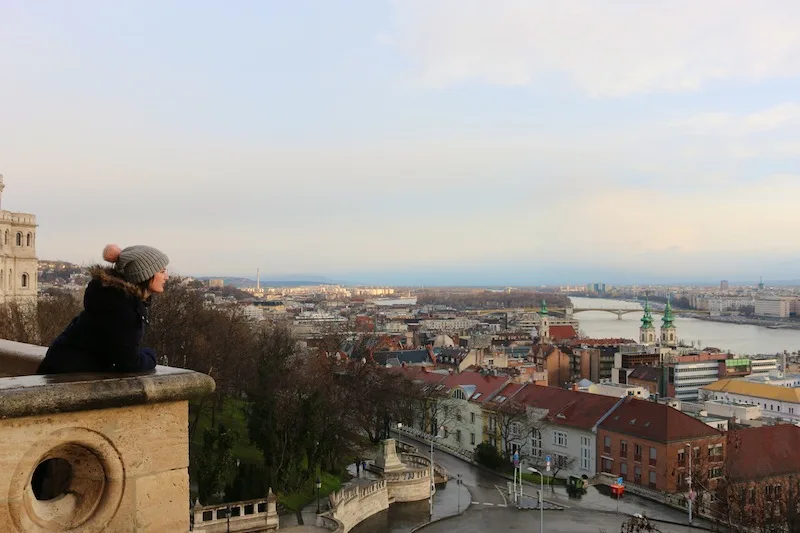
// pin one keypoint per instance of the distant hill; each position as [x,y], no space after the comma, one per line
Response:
[59,272]
[247,282]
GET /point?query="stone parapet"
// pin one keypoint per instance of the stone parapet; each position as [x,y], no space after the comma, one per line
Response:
[253,516]
[94,452]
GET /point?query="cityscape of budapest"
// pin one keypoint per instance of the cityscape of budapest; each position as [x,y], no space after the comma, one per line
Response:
[399,266]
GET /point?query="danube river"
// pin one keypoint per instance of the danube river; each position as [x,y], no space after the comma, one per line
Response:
[736,338]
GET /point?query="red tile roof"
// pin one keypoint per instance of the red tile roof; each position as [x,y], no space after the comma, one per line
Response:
[763,452]
[656,422]
[562,333]
[485,385]
[509,391]
[567,407]
[646,373]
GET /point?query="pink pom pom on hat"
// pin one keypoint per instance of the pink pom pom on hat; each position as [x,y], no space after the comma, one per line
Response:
[111,253]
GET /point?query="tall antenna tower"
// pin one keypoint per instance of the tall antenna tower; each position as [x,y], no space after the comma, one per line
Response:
[258,280]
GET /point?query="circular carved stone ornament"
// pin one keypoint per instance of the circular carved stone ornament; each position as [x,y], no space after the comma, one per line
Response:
[89,496]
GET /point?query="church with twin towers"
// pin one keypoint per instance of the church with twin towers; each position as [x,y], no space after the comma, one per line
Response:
[647,331]
[18,263]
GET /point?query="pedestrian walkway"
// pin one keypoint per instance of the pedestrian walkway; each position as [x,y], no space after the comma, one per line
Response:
[529,503]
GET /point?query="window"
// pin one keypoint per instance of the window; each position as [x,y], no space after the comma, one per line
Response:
[515,430]
[607,465]
[458,435]
[715,450]
[472,438]
[681,458]
[653,456]
[492,424]
[472,418]
[777,492]
[637,475]
[652,480]
[752,498]
[586,453]
[623,449]
[607,444]
[493,441]
[30,239]
[715,472]
[637,453]
[560,439]
[458,417]
[696,453]
[24,280]
[768,491]
[536,443]
[458,394]
[623,471]
[19,239]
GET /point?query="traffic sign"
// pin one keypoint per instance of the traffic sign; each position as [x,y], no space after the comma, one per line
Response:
[619,481]
[547,458]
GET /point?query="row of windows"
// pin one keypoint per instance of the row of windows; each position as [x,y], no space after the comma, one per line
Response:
[25,280]
[20,238]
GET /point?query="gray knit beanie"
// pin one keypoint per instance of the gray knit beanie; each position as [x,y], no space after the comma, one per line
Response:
[137,263]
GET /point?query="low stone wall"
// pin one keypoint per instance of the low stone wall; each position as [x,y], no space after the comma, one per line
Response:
[254,516]
[351,506]
[409,486]
[330,523]
[93,452]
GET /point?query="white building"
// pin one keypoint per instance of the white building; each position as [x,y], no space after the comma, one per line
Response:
[619,390]
[19,266]
[726,304]
[763,365]
[448,324]
[775,401]
[773,306]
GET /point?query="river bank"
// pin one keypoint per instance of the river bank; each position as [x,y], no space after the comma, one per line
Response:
[768,323]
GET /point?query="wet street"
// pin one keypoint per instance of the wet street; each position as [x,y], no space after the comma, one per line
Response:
[482,520]
[596,510]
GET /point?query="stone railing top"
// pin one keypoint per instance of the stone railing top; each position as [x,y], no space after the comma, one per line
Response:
[25,394]
[18,359]
[37,395]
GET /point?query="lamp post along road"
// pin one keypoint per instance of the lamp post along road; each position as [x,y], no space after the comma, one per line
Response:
[433,486]
[541,498]
[319,486]
[400,436]
[689,481]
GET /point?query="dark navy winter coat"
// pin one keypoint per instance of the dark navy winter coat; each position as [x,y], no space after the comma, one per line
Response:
[107,335]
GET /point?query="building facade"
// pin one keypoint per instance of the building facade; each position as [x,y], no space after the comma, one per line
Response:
[648,444]
[773,307]
[18,262]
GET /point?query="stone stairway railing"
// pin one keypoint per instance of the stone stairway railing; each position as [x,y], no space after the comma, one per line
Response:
[93,452]
[461,453]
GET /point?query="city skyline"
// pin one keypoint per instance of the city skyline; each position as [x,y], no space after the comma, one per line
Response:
[416,143]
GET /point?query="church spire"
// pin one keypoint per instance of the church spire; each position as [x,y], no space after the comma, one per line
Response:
[647,319]
[669,319]
[543,309]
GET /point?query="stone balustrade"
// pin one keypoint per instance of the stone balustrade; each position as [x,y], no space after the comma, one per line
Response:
[351,506]
[254,516]
[93,453]
[330,523]
[411,459]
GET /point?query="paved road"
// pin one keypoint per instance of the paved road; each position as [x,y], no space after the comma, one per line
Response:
[483,486]
[481,520]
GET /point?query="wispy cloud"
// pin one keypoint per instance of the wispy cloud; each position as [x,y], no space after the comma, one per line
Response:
[606,49]
[779,116]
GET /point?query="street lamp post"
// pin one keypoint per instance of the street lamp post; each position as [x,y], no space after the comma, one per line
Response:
[458,490]
[689,481]
[399,436]
[541,498]
[319,486]
[433,486]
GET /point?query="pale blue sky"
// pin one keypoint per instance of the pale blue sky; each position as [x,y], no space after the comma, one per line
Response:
[418,141]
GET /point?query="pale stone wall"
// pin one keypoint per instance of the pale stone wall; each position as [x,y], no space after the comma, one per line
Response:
[351,506]
[18,264]
[124,441]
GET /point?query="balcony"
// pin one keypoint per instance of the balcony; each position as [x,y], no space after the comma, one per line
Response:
[637,458]
[110,452]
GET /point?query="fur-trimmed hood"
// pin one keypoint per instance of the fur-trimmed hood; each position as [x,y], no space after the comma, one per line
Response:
[110,277]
